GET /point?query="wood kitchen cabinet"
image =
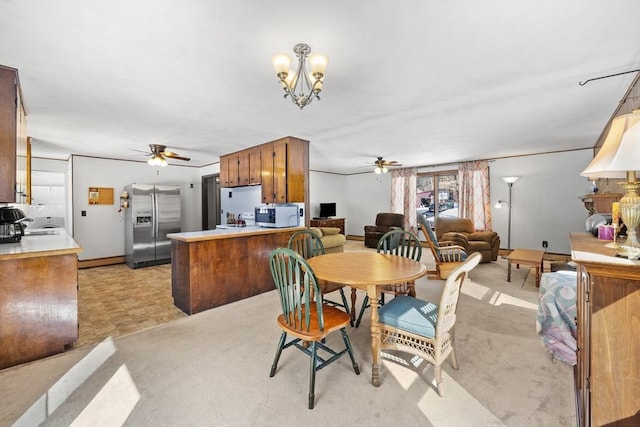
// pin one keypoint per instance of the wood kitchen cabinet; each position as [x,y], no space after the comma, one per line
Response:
[255,166]
[281,166]
[285,171]
[224,172]
[241,168]
[214,268]
[608,326]
[13,140]
[229,170]
[274,172]
[38,297]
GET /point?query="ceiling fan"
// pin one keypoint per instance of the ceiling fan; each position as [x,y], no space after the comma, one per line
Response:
[160,154]
[382,166]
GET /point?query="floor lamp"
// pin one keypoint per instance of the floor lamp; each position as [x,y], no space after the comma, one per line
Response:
[509,180]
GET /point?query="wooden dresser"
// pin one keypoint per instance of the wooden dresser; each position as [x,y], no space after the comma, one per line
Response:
[328,222]
[607,375]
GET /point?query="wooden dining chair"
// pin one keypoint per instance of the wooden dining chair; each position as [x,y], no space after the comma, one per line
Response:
[306,317]
[401,243]
[447,255]
[307,244]
[423,328]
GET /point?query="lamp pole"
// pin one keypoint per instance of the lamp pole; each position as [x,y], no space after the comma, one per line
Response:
[509,180]
[509,221]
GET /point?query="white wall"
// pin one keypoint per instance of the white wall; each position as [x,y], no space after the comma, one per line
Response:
[210,169]
[545,199]
[367,194]
[327,188]
[101,231]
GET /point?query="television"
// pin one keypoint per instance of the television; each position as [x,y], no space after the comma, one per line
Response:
[327,210]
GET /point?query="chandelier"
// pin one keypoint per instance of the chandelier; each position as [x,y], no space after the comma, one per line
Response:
[301,86]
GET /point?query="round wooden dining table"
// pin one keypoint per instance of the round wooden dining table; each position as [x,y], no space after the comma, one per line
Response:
[369,271]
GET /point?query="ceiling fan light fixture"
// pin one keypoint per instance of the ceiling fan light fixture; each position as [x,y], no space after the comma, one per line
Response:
[301,86]
[380,170]
[156,160]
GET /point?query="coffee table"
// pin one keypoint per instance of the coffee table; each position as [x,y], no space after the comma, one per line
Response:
[529,257]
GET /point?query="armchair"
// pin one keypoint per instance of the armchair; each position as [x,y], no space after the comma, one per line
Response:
[384,222]
[462,232]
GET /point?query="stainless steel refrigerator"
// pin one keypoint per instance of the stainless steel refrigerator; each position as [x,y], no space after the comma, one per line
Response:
[153,212]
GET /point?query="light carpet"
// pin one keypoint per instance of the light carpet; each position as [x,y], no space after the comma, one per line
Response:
[212,369]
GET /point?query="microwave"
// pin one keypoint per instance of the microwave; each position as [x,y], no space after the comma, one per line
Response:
[277,216]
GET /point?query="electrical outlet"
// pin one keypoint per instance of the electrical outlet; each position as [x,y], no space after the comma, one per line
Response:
[545,244]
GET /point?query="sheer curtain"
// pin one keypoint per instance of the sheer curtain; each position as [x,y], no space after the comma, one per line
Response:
[474,193]
[403,195]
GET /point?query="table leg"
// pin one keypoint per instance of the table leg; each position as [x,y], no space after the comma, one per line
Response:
[411,289]
[375,337]
[508,270]
[537,276]
[353,305]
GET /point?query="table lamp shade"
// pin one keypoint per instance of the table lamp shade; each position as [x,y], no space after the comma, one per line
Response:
[620,152]
[619,157]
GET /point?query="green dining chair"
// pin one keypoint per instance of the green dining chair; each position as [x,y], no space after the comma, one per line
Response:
[307,244]
[401,243]
[304,315]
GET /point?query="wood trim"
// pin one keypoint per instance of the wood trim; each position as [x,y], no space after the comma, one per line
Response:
[101,262]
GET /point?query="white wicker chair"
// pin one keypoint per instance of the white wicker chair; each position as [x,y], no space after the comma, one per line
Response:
[421,328]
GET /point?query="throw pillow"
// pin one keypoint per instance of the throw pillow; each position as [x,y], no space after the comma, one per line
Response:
[329,231]
[316,231]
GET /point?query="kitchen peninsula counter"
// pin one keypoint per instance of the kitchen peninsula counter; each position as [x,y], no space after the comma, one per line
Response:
[216,267]
[38,297]
[40,245]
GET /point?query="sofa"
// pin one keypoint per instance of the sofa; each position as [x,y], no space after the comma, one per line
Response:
[384,222]
[462,232]
[331,238]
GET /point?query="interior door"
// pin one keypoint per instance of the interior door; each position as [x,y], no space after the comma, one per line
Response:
[210,201]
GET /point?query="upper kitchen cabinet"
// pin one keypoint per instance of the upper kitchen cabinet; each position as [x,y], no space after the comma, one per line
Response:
[281,166]
[285,171]
[14,152]
[241,168]
[255,166]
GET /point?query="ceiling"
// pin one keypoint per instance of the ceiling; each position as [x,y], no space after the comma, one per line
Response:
[420,82]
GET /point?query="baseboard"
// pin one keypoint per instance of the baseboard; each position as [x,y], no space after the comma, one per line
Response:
[352,237]
[101,262]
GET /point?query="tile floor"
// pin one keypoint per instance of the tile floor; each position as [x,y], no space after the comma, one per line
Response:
[116,300]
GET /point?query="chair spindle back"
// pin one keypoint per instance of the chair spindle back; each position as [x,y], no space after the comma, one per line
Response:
[297,287]
[451,294]
[402,243]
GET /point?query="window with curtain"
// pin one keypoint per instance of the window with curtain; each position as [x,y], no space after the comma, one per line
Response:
[403,196]
[475,203]
[437,195]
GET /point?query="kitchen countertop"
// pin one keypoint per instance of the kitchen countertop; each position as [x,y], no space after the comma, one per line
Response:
[226,233]
[40,245]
